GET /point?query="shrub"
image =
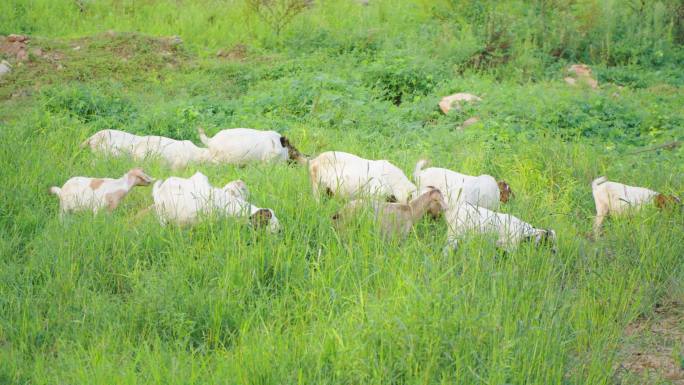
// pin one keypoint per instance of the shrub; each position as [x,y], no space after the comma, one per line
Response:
[399,79]
[88,104]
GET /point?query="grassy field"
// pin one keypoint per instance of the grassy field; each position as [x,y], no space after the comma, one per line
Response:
[115,298]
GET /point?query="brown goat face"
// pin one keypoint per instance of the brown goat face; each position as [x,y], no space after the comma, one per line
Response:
[663,201]
[437,204]
[141,179]
[261,218]
[293,154]
[505,192]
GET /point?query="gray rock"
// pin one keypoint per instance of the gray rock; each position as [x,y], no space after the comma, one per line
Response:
[5,68]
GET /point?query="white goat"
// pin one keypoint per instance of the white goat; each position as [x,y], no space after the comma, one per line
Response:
[616,198]
[511,231]
[185,201]
[395,219]
[82,193]
[483,190]
[112,142]
[344,174]
[245,145]
[177,153]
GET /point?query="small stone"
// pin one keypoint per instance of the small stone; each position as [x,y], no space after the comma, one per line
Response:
[17,38]
[582,76]
[5,67]
[455,100]
[22,55]
[469,122]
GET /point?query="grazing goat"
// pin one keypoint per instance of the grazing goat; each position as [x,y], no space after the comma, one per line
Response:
[112,142]
[81,193]
[177,153]
[483,190]
[616,198]
[245,145]
[396,219]
[511,231]
[185,201]
[344,174]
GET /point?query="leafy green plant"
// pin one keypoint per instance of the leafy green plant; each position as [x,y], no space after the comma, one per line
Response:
[88,104]
[399,79]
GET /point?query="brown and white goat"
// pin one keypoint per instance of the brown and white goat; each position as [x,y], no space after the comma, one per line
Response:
[482,190]
[395,219]
[613,198]
[82,193]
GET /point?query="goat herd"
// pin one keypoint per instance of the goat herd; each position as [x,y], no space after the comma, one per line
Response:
[375,186]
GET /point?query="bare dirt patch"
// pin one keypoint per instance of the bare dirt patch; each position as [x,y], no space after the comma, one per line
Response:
[653,348]
[238,52]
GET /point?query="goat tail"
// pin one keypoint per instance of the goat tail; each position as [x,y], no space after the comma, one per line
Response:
[203,136]
[55,190]
[598,181]
[419,167]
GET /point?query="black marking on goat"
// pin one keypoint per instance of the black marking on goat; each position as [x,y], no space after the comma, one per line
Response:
[261,218]
[292,153]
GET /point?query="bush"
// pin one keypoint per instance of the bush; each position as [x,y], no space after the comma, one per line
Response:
[399,79]
[88,104]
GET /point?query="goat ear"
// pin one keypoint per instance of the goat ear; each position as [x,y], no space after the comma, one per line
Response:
[505,192]
[145,179]
[284,142]
[261,218]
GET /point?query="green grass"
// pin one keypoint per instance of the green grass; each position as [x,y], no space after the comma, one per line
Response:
[116,298]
